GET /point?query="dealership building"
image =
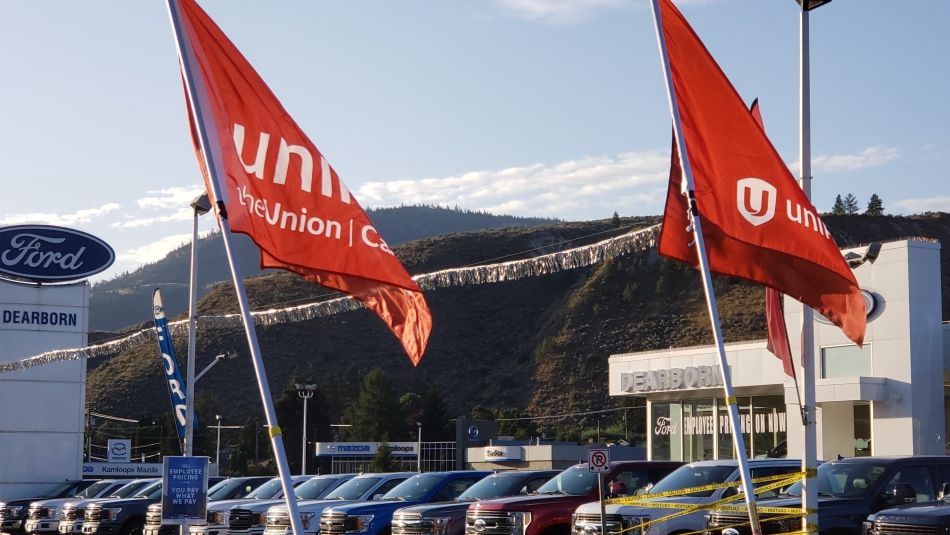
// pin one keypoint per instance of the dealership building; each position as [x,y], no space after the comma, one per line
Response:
[889,397]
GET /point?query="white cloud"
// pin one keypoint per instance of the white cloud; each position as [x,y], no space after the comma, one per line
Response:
[929,204]
[182,214]
[559,11]
[154,251]
[174,197]
[79,216]
[588,188]
[869,157]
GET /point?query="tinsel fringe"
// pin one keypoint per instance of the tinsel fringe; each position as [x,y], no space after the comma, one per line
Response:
[587,255]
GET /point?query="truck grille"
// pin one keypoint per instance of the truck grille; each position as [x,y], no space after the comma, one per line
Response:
[242,519]
[331,523]
[70,513]
[93,513]
[589,524]
[890,528]
[36,512]
[278,518]
[410,524]
[488,523]
[719,520]
[154,516]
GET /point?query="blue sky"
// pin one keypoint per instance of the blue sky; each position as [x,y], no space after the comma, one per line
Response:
[529,107]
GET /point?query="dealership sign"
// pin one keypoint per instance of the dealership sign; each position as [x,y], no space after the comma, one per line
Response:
[671,379]
[43,253]
[364,449]
[122,469]
[120,450]
[502,453]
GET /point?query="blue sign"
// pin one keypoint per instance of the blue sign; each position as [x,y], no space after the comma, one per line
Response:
[184,490]
[44,253]
[176,385]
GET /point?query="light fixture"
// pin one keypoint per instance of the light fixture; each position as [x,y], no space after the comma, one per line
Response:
[812,4]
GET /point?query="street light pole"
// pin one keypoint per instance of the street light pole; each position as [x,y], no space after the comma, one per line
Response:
[419,447]
[305,392]
[218,358]
[217,447]
[201,205]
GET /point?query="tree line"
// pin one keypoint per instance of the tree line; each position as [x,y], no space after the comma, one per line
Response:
[849,205]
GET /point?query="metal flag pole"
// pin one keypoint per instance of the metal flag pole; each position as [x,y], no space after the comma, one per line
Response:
[201,205]
[711,305]
[197,100]
[810,453]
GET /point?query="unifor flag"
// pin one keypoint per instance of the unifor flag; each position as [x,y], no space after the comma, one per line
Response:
[757,223]
[280,190]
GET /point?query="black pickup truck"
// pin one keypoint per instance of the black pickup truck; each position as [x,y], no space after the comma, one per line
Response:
[918,518]
[848,491]
[125,516]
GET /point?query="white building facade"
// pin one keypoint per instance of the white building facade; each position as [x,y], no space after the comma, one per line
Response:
[886,398]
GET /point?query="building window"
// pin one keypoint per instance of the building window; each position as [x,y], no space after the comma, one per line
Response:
[662,430]
[699,425]
[862,429]
[845,361]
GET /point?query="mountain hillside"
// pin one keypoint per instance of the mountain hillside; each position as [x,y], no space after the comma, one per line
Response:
[538,345]
[126,299]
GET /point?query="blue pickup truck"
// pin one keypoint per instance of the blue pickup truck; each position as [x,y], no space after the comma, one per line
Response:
[375,517]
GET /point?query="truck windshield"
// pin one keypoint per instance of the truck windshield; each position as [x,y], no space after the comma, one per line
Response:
[147,490]
[129,489]
[576,481]
[843,480]
[688,476]
[266,491]
[315,488]
[93,490]
[415,488]
[353,489]
[68,489]
[494,486]
[224,488]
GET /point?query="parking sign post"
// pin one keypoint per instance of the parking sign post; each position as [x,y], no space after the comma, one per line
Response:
[598,460]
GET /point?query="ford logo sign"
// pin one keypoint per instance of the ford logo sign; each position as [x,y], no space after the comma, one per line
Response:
[44,253]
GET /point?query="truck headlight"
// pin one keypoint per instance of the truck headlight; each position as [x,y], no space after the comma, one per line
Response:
[306,519]
[111,513]
[14,510]
[51,512]
[439,524]
[358,523]
[632,524]
[519,522]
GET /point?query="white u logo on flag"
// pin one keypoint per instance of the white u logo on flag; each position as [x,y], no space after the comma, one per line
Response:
[755,199]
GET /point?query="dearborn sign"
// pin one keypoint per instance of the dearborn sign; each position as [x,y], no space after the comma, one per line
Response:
[671,379]
[43,253]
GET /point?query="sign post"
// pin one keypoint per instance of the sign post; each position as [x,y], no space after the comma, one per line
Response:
[185,491]
[598,460]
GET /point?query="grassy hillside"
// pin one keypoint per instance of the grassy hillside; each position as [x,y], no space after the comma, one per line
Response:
[539,345]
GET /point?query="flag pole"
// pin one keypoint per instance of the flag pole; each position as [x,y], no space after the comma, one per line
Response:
[711,305]
[196,101]
[810,453]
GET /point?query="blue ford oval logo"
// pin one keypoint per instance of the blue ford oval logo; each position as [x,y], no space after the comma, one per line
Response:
[44,253]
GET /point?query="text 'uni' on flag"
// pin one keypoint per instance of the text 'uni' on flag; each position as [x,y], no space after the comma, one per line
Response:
[757,223]
[280,190]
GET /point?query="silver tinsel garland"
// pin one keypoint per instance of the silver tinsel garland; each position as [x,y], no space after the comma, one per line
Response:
[587,255]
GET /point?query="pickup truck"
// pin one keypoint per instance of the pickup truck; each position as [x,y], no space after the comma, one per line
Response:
[13,512]
[250,518]
[849,490]
[43,516]
[548,512]
[71,516]
[124,516]
[228,489]
[360,488]
[625,518]
[375,517]
[219,512]
[448,518]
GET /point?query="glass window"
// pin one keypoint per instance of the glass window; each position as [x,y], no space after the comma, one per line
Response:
[660,431]
[845,361]
[576,481]
[698,428]
[918,477]
[844,479]
[862,429]
[726,448]
[768,427]
[688,476]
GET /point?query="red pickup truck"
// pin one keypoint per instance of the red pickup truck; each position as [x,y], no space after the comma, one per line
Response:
[548,511]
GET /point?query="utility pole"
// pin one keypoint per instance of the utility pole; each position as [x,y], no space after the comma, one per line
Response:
[305,392]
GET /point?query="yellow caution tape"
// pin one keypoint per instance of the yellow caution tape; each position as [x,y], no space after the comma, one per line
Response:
[274,431]
[636,500]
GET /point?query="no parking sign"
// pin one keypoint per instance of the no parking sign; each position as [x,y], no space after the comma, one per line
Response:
[598,460]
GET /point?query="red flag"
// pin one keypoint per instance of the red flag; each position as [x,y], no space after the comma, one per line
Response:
[280,190]
[757,223]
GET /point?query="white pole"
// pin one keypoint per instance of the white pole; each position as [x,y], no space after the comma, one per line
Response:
[217,447]
[303,446]
[419,447]
[192,314]
[198,100]
[711,305]
[810,454]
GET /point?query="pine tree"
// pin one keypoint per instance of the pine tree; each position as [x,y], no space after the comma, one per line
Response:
[615,220]
[435,418]
[875,206]
[838,208]
[374,415]
[850,205]
[383,461]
